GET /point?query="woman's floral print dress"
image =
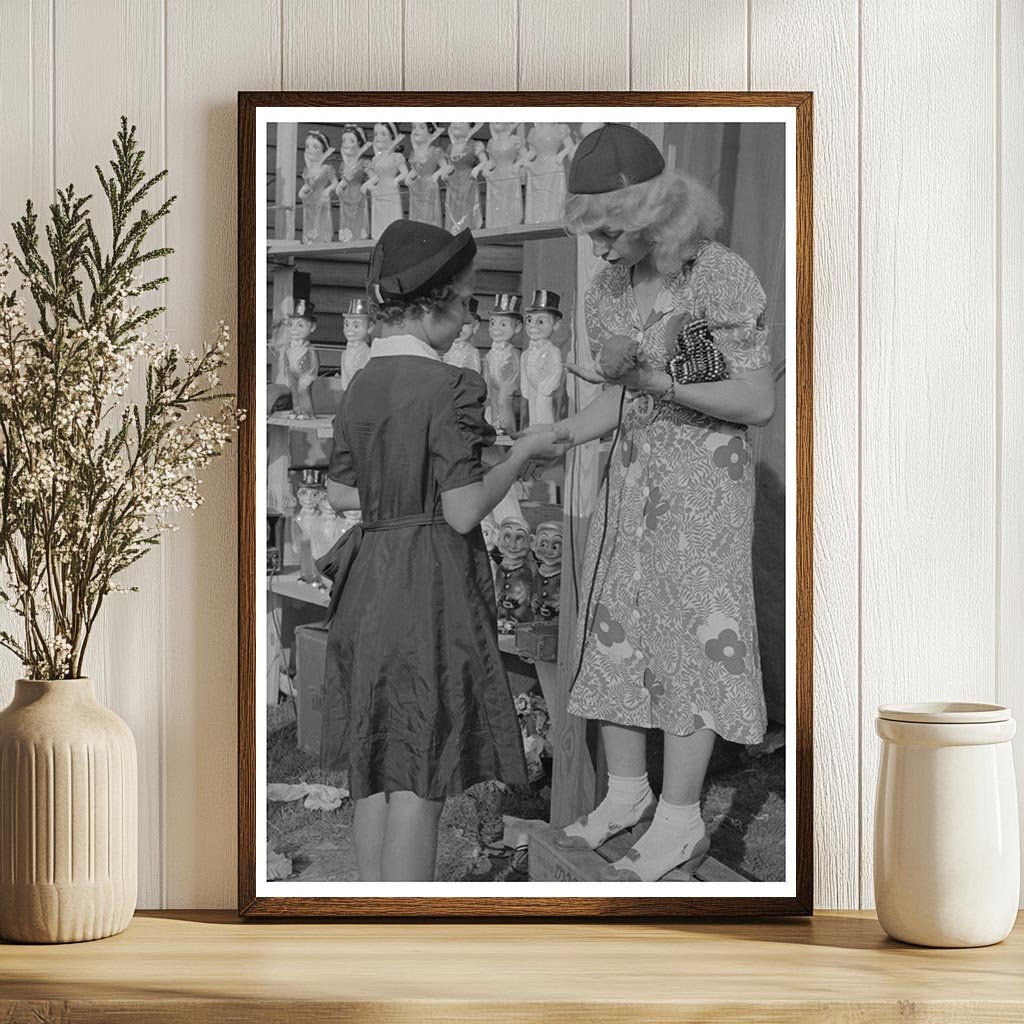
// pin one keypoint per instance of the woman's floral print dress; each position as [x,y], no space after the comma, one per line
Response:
[671,641]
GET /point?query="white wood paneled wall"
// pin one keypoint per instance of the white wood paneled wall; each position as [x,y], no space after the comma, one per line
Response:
[919,297]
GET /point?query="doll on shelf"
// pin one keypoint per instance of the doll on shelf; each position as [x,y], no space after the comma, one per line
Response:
[504,174]
[462,165]
[513,587]
[548,146]
[501,364]
[356,327]
[325,530]
[463,351]
[317,187]
[424,174]
[353,214]
[306,522]
[387,172]
[547,552]
[300,359]
[542,371]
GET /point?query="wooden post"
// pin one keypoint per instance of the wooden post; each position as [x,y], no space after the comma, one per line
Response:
[573,785]
[286,182]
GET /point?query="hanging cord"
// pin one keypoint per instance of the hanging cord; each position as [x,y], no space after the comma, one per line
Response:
[605,482]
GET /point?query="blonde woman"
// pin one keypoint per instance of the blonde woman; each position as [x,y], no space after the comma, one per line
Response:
[667,636]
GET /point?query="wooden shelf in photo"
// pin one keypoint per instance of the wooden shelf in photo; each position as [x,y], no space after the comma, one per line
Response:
[360,250]
[317,423]
[288,584]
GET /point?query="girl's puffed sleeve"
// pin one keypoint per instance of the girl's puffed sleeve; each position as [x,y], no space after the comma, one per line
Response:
[340,468]
[459,432]
[734,304]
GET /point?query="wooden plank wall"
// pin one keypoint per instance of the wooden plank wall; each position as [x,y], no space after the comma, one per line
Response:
[920,405]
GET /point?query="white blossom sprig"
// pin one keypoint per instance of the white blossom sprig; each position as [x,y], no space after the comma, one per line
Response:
[89,477]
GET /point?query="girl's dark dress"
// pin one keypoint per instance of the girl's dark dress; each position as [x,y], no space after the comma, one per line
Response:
[416,697]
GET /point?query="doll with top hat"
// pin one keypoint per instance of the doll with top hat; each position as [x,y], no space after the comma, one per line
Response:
[464,352]
[300,360]
[542,371]
[548,147]
[501,364]
[504,174]
[387,172]
[318,180]
[356,327]
[513,582]
[461,168]
[424,174]
[353,211]
[547,553]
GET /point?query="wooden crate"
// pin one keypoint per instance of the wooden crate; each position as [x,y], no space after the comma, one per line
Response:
[552,863]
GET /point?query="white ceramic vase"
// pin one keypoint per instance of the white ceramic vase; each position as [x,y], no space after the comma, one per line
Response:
[947,847]
[68,815]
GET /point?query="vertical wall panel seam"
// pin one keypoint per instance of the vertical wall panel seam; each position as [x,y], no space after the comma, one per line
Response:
[53,96]
[860,455]
[162,695]
[519,36]
[998,325]
[280,42]
[629,43]
[750,55]
[402,13]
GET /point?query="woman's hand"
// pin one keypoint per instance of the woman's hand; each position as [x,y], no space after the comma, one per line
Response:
[641,377]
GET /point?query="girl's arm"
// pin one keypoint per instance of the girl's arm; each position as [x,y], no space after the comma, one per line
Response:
[342,497]
[464,507]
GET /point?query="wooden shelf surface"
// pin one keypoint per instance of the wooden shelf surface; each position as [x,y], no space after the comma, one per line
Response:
[206,966]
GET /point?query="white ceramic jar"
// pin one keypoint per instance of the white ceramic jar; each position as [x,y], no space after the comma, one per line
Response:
[947,846]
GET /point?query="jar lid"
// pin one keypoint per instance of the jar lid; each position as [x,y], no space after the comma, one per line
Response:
[945,713]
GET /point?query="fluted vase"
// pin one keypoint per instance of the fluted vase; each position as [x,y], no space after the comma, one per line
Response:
[68,815]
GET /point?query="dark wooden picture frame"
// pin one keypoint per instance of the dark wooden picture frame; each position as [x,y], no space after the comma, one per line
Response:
[444,906]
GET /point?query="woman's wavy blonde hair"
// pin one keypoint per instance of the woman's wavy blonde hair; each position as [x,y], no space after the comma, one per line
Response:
[671,211]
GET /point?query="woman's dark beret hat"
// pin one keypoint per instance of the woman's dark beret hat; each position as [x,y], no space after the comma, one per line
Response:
[613,157]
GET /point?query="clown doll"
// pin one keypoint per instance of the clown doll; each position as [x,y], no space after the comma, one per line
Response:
[356,327]
[547,551]
[542,361]
[501,364]
[463,351]
[513,583]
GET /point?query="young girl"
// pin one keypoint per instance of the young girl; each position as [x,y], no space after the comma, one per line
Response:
[417,705]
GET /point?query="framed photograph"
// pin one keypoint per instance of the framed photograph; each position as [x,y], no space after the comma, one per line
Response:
[525,504]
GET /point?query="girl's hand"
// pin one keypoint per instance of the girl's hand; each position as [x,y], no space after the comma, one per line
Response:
[640,378]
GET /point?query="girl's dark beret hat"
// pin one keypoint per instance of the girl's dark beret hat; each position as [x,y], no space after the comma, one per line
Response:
[411,258]
[613,157]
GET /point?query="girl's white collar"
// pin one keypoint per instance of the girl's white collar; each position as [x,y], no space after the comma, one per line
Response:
[402,345]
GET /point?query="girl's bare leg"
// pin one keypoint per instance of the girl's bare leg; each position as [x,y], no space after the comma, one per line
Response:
[368,825]
[686,764]
[410,840]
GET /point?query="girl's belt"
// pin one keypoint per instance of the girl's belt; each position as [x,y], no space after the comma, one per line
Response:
[401,522]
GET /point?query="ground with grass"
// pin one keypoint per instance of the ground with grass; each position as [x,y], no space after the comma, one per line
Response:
[743,805]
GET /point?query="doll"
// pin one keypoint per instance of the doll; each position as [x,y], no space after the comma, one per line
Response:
[548,146]
[503,172]
[489,527]
[305,521]
[317,187]
[300,359]
[547,550]
[387,172]
[424,174]
[542,360]
[513,580]
[501,364]
[462,165]
[353,216]
[325,530]
[463,352]
[356,328]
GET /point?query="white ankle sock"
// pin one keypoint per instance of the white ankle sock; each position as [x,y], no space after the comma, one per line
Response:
[629,800]
[668,843]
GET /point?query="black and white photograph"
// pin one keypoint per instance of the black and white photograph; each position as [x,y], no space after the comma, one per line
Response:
[525,502]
